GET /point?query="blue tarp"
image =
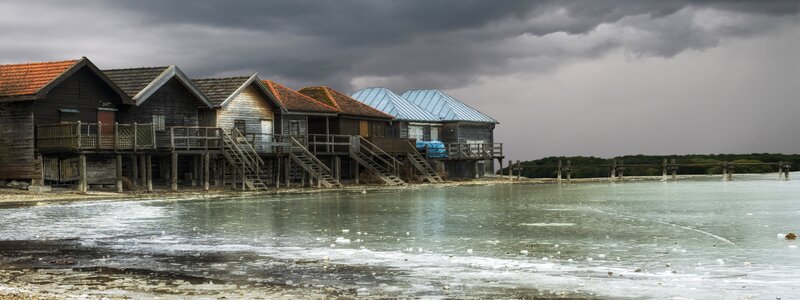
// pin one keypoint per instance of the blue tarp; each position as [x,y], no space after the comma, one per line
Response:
[432,148]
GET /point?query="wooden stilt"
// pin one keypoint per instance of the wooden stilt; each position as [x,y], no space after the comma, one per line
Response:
[149,172]
[337,167]
[664,170]
[621,169]
[83,184]
[118,170]
[561,168]
[569,170]
[277,172]
[206,171]
[234,177]
[135,169]
[674,169]
[174,172]
[142,170]
[614,169]
[519,170]
[287,170]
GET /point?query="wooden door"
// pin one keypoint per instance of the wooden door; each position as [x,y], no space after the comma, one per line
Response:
[107,119]
[363,128]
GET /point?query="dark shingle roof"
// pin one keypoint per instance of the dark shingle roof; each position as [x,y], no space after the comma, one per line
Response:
[294,101]
[29,78]
[217,90]
[344,103]
[132,81]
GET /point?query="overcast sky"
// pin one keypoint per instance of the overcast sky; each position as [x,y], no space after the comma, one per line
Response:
[598,78]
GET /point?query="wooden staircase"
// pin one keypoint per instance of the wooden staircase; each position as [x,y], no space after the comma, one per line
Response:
[376,160]
[241,155]
[422,165]
[311,164]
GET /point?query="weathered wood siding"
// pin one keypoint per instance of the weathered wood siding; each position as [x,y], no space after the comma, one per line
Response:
[301,119]
[249,106]
[173,100]
[17,156]
[83,91]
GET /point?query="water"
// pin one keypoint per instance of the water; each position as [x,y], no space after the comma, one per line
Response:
[697,239]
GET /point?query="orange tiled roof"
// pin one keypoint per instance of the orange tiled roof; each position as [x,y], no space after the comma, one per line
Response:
[29,78]
[292,100]
[344,103]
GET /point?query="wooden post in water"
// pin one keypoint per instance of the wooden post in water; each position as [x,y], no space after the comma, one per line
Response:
[569,170]
[674,169]
[174,172]
[664,170]
[149,173]
[142,170]
[560,168]
[83,184]
[727,171]
[234,177]
[614,169]
[135,169]
[621,169]
[206,171]
[118,169]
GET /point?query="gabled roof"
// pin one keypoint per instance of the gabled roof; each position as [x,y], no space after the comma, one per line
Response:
[295,101]
[30,81]
[345,104]
[390,103]
[445,106]
[220,91]
[141,83]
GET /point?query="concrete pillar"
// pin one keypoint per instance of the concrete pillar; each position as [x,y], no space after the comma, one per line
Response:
[83,183]
[174,172]
[118,170]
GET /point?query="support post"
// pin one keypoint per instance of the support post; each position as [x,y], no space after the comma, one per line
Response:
[206,171]
[664,170]
[674,169]
[560,168]
[519,170]
[118,166]
[569,170]
[614,169]
[174,172]
[234,177]
[149,172]
[277,171]
[780,170]
[135,169]
[621,169]
[142,170]
[83,184]
[337,167]
[286,170]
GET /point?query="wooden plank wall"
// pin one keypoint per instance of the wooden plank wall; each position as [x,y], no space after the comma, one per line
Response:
[285,119]
[173,100]
[83,91]
[17,156]
[249,106]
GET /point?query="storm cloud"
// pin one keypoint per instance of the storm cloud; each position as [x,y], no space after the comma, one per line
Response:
[455,45]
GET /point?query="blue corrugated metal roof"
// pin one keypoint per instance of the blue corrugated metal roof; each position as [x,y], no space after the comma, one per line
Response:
[445,106]
[390,103]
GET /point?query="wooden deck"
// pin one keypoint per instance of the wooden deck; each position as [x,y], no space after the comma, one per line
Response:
[78,136]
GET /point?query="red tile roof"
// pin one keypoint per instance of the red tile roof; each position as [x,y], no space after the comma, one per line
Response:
[344,103]
[29,78]
[292,100]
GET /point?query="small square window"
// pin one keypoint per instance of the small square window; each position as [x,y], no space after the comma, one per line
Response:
[159,122]
[241,126]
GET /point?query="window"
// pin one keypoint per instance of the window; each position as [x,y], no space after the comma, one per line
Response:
[435,133]
[415,132]
[159,122]
[240,125]
[294,128]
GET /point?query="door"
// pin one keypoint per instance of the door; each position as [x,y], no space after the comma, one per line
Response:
[363,128]
[266,134]
[106,118]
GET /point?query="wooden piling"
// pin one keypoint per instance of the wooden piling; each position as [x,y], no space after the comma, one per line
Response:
[149,173]
[569,170]
[614,169]
[83,183]
[135,169]
[142,170]
[664,170]
[174,172]
[674,169]
[560,169]
[118,170]
[206,171]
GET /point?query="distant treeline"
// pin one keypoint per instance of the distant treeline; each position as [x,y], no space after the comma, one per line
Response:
[588,167]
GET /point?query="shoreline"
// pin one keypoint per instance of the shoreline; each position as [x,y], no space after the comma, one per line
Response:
[13,197]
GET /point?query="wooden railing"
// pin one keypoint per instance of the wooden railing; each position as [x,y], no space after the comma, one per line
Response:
[189,138]
[330,143]
[474,151]
[95,136]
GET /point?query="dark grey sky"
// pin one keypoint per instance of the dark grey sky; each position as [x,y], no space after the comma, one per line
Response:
[563,77]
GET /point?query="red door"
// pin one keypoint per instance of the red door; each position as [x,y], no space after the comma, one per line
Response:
[106,118]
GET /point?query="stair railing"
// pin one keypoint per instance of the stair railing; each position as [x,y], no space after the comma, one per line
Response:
[298,145]
[375,151]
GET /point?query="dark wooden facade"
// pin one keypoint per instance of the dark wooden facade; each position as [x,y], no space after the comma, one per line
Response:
[173,101]
[77,92]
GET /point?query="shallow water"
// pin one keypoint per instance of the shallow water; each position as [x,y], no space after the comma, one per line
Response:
[699,238]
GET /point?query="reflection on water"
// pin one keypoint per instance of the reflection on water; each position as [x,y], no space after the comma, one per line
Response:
[697,238]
